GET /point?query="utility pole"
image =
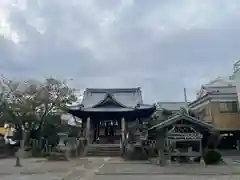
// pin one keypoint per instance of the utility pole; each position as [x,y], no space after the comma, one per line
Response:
[185,99]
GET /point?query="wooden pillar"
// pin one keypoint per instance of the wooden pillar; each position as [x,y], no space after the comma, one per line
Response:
[168,143]
[137,124]
[123,129]
[201,148]
[238,144]
[88,129]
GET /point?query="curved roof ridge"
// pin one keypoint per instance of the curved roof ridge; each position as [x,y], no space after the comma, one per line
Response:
[113,90]
[113,98]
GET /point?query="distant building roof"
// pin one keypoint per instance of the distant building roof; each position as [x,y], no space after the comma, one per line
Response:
[221,82]
[221,85]
[172,106]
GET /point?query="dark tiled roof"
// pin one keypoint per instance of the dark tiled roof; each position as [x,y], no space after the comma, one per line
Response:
[127,97]
[112,90]
[179,116]
[119,109]
[172,106]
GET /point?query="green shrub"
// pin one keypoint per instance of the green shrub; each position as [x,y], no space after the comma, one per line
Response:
[212,157]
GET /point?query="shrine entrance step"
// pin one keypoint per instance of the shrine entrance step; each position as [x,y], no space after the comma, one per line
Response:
[107,150]
[108,140]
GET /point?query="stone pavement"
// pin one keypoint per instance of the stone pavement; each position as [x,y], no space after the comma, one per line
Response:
[144,168]
[34,169]
[119,170]
[99,168]
[167,177]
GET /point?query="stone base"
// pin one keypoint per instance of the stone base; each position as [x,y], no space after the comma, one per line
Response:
[57,156]
[135,153]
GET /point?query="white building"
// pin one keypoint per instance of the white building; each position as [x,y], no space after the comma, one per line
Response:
[217,102]
[236,77]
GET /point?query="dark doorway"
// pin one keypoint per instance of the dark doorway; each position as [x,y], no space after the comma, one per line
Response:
[107,132]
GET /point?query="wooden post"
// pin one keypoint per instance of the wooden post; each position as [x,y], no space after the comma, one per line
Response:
[169,150]
[76,148]
[137,125]
[238,144]
[201,148]
[88,128]
[122,143]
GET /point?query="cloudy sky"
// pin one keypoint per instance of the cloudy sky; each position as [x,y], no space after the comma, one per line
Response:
[161,46]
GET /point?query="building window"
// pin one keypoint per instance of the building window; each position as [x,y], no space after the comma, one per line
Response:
[228,107]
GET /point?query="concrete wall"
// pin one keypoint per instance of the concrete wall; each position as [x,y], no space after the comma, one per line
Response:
[226,120]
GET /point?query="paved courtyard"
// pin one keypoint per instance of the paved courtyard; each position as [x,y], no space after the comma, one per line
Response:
[114,168]
[145,170]
[39,169]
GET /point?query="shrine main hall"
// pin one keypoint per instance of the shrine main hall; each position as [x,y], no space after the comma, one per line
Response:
[105,112]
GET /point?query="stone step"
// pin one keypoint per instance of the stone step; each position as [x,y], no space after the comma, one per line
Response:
[104,150]
[89,154]
[104,145]
[109,147]
[105,154]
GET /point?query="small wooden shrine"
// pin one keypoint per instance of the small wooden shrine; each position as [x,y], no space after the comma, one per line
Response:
[180,137]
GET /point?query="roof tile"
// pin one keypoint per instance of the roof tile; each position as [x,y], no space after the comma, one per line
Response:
[128,97]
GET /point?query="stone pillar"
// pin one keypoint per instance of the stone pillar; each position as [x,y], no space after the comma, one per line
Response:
[160,144]
[88,129]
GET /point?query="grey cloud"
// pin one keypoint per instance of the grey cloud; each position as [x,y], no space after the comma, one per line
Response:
[160,46]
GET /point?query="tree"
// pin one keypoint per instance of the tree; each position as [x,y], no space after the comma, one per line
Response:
[11,103]
[4,94]
[52,97]
[31,102]
[37,100]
